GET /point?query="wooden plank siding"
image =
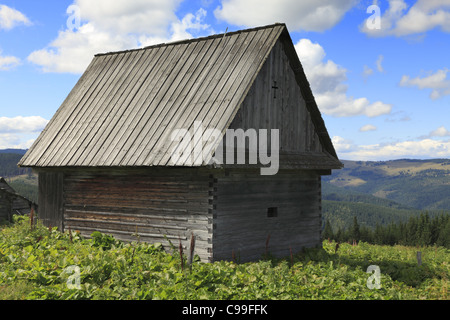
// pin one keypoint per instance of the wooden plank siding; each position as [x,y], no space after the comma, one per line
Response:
[241,223]
[150,206]
[51,198]
[284,108]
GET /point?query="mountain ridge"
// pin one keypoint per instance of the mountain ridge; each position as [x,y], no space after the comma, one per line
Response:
[419,184]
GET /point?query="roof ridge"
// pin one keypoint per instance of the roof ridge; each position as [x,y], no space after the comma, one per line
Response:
[183,41]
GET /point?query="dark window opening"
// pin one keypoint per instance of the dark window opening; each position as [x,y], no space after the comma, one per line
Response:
[272,212]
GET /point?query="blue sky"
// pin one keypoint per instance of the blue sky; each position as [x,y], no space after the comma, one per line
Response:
[381,77]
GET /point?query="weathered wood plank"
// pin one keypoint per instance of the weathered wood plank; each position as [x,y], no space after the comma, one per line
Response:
[201,87]
[65,111]
[51,199]
[72,128]
[141,143]
[170,104]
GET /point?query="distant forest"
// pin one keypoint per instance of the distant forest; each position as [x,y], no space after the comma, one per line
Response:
[421,230]
[8,165]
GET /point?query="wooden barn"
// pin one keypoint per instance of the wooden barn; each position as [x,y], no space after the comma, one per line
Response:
[12,203]
[105,160]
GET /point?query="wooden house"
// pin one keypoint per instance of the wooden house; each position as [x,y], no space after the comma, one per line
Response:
[105,159]
[12,203]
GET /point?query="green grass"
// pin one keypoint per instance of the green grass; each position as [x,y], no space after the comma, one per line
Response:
[34,265]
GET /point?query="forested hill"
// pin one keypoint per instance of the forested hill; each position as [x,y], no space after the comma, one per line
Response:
[8,163]
[418,184]
[17,151]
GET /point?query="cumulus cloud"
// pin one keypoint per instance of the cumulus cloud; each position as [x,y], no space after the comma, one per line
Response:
[179,29]
[342,145]
[401,20]
[125,17]
[111,26]
[22,124]
[306,15]
[378,62]
[14,141]
[425,149]
[10,18]
[20,132]
[327,80]
[367,127]
[8,62]
[437,82]
[440,132]
[72,50]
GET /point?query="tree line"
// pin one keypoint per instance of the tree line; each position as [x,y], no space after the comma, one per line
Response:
[421,230]
[8,165]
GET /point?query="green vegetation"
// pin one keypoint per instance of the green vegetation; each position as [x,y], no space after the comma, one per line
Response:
[35,263]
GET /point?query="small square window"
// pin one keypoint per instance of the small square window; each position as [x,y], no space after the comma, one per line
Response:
[272,212]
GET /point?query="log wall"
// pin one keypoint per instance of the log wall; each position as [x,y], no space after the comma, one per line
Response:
[250,211]
[132,205]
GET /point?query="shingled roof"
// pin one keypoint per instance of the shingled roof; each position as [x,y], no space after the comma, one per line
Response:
[124,107]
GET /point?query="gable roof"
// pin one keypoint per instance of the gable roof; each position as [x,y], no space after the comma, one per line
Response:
[125,106]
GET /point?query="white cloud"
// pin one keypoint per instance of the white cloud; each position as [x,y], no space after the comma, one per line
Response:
[22,124]
[367,71]
[179,29]
[367,127]
[14,141]
[440,132]
[20,132]
[342,145]
[327,80]
[378,62]
[425,149]
[10,18]
[112,26]
[125,17]
[8,62]
[306,15]
[437,81]
[72,51]
[421,17]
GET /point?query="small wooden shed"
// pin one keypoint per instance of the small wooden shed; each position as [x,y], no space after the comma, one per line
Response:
[105,158]
[12,203]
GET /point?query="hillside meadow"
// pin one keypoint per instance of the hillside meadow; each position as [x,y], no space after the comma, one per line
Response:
[41,263]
